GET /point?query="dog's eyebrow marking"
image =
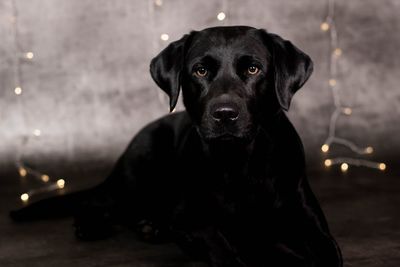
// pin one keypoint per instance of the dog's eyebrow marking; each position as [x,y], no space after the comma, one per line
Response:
[249,57]
[199,59]
[204,59]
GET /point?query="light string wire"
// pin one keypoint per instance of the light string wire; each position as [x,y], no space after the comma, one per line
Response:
[335,51]
[155,6]
[25,171]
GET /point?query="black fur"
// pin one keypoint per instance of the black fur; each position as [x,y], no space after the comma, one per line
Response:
[226,178]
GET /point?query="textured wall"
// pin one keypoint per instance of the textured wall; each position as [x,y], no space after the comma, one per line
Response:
[89,91]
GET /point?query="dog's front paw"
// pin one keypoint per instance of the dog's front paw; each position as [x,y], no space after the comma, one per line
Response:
[148,231]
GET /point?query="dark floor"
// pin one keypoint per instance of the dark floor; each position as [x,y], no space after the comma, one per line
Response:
[362,207]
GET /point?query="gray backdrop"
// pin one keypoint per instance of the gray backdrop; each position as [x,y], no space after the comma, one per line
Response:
[89,91]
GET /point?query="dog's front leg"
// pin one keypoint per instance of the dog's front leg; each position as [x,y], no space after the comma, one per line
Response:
[221,252]
[325,249]
[210,245]
[93,216]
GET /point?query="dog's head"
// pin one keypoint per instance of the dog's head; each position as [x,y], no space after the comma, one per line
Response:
[232,78]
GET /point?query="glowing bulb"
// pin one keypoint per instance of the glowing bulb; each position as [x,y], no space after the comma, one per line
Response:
[18,90]
[60,183]
[347,111]
[325,148]
[325,26]
[382,166]
[328,162]
[158,2]
[22,172]
[332,82]
[29,55]
[221,16]
[24,197]
[37,132]
[369,150]
[45,178]
[164,37]
[344,167]
[337,52]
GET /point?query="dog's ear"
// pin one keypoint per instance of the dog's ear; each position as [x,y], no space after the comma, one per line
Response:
[166,67]
[292,67]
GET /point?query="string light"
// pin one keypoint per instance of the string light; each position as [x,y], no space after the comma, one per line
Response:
[155,6]
[328,162]
[347,111]
[54,186]
[337,52]
[325,26]
[164,37]
[345,161]
[328,25]
[18,90]
[60,183]
[325,148]
[45,178]
[369,150]
[37,132]
[158,2]
[29,55]
[344,167]
[25,197]
[382,166]
[332,82]
[23,170]
[221,16]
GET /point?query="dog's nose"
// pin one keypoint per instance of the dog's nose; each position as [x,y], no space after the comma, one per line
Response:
[225,113]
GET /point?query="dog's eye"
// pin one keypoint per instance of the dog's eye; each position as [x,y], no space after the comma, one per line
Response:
[201,71]
[252,70]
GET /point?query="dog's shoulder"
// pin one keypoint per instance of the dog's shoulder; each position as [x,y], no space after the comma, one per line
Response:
[172,126]
[163,134]
[286,139]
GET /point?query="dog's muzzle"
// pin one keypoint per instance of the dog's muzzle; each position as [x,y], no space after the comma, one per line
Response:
[225,118]
[224,113]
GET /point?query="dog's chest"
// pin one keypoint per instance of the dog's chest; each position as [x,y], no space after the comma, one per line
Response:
[245,196]
[227,197]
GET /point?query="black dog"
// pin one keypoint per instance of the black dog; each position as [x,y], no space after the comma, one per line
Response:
[225,179]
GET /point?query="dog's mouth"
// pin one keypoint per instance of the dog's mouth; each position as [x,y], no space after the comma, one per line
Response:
[225,138]
[227,123]
[212,136]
